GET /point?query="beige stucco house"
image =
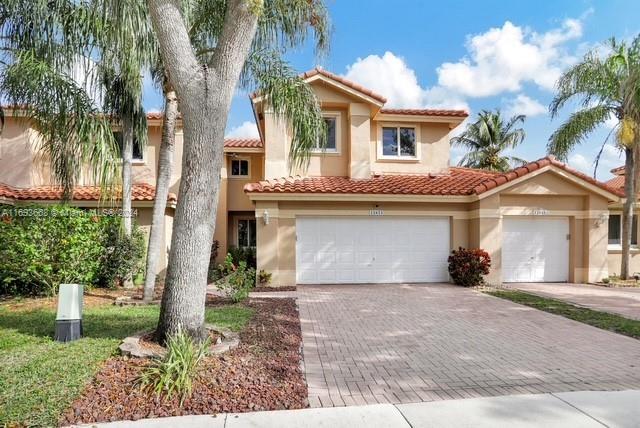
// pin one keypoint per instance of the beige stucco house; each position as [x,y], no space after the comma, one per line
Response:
[380,203]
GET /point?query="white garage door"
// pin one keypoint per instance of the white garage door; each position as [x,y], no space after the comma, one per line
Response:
[334,250]
[535,250]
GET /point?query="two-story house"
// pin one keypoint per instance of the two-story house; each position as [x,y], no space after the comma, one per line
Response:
[380,203]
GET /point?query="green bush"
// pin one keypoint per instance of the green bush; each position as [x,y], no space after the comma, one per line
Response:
[236,281]
[122,256]
[243,254]
[174,374]
[264,277]
[42,247]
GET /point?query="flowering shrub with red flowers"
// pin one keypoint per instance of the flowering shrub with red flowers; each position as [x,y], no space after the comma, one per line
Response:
[467,266]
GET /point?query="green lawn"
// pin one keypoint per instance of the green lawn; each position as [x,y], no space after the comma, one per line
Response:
[39,377]
[603,320]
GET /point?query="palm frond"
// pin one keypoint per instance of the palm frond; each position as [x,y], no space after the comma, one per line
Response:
[291,98]
[579,125]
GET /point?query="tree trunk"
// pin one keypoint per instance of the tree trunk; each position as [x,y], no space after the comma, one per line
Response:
[127,155]
[163,181]
[205,93]
[627,211]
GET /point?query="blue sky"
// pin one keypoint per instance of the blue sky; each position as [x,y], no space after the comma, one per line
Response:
[476,55]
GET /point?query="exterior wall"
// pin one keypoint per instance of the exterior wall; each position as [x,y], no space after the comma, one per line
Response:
[433,150]
[614,256]
[22,166]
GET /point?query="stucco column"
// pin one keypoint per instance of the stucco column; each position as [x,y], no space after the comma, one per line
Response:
[360,140]
[276,146]
[222,217]
[489,229]
[596,228]
[267,239]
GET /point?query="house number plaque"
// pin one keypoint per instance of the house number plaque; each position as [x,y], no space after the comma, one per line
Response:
[376,212]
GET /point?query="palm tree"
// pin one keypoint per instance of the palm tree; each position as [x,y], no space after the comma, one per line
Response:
[204,73]
[487,138]
[605,86]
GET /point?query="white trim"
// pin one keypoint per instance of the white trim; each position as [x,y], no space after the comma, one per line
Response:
[337,116]
[380,143]
[240,176]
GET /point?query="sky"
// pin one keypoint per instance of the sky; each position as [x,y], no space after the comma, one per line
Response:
[466,54]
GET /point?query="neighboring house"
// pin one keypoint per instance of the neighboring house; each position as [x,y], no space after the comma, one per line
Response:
[379,203]
[615,229]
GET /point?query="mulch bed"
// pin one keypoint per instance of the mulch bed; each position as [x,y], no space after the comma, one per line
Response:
[262,373]
[272,289]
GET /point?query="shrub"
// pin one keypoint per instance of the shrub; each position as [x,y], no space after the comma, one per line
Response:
[243,254]
[236,281]
[467,266]
[123,255]
[42,247]
[264,277]
[175,373]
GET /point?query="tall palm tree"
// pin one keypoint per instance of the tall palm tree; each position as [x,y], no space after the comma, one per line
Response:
[487,138]
[605,86]
[205,80]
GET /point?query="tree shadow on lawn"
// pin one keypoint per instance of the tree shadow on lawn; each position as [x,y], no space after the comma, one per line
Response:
[108,322]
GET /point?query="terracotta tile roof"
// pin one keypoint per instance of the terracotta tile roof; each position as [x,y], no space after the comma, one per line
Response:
[618,170]
[245,143]
[425,112]
[616,182]
[344,81]
[141,192]
[458,181]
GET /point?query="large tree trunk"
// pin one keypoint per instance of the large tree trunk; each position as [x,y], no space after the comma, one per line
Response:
[205,93]
[627,211]
[163,181]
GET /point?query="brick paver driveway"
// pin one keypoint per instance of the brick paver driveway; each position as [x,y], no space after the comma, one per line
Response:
[409,343]
[623,301]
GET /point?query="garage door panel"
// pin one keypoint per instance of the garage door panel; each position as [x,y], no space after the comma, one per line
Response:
[371,250]
[535,250]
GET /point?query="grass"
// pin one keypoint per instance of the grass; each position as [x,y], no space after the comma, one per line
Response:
[603,320]
[39,378]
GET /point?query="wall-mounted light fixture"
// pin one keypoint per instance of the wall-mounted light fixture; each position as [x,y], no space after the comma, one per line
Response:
[265,217]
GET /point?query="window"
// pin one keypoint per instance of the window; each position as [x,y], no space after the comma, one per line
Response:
[246,233]
[332,127]
[399,142]
[239,167]
[138,155]
[615,229]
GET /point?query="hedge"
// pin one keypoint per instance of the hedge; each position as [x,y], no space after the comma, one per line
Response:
[42,247]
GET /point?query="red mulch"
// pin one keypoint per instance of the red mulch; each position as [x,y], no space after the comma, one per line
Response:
[272,289]
[262,373]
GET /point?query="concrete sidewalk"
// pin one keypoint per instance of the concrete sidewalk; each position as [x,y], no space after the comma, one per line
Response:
[571,409]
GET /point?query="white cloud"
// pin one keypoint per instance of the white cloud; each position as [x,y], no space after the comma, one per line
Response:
[390,76]
[610,158]
[502,59]
[522,104]
[246,130]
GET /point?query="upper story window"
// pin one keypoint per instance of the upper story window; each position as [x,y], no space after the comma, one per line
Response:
[138,154]
[239,167]
[615,230]
[332,122]
[399,142]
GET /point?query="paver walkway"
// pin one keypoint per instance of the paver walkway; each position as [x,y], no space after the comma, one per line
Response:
[623,301]
[366,344]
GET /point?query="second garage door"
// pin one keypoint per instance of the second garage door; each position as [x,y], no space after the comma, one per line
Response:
[535,249]
[334,250]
